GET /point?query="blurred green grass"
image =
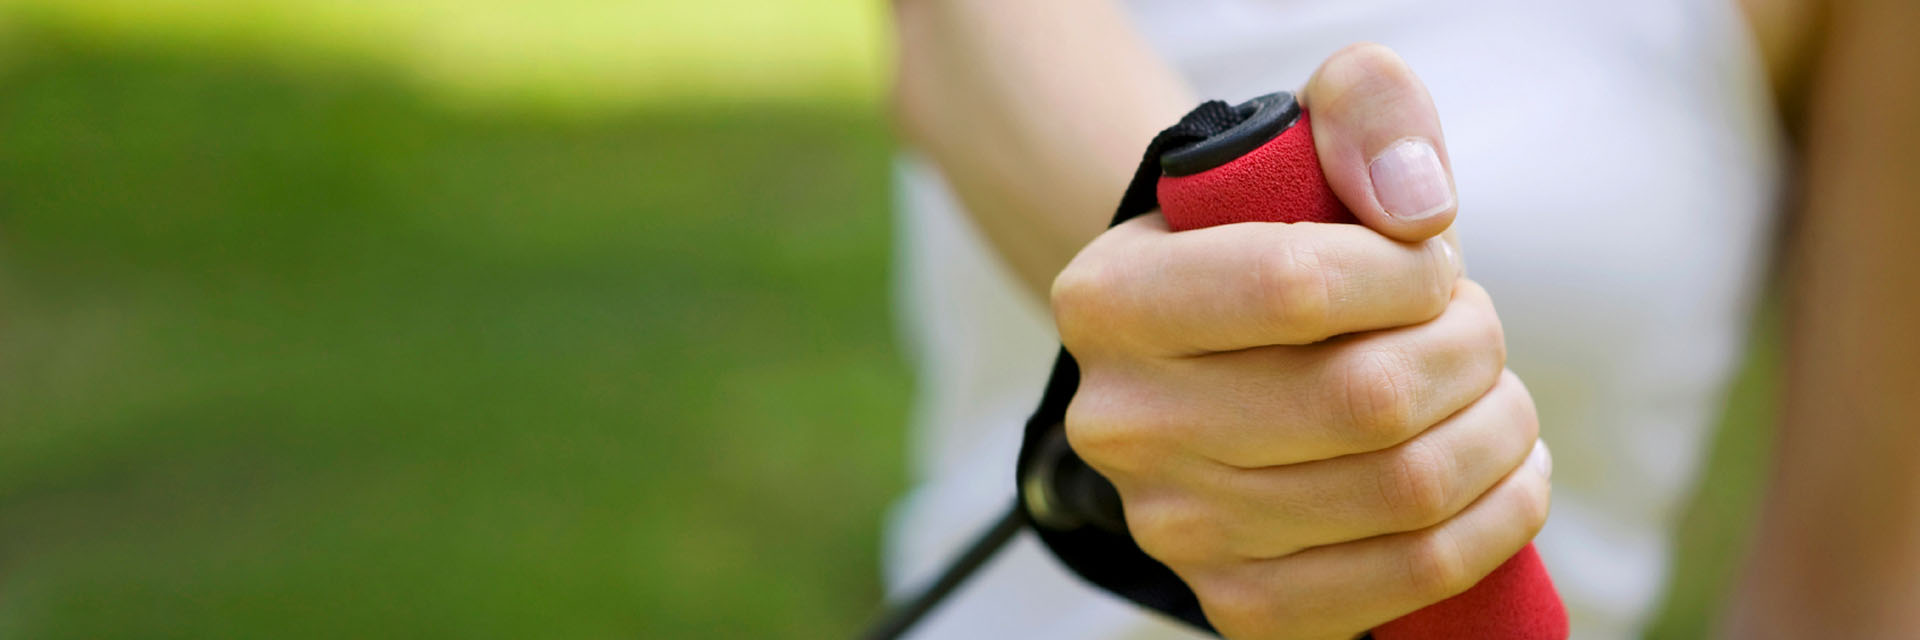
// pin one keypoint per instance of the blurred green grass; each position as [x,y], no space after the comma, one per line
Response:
[312,356]
[1714,533]
[567,55]
[315,347]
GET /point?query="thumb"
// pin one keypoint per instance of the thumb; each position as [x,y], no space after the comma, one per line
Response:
[1378,137]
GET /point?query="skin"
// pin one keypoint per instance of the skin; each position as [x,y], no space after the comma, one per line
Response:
[1837,552]
[967,97]
[1324,437]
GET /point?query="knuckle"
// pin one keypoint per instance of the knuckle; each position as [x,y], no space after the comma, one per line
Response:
[1174,531]
[1494,336]
[1296,289]
[1488,332]
[1436,569]
[1470,289]
[1379,394]
[1415,487]
[1525,415]
[1239,608]
[1536,500]
[1105,432]
[1082,294]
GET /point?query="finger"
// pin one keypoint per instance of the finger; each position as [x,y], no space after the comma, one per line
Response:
[1379,141]
[1287,405]
[1411,486]
[1361,584]
[1217,513]
[1452,236]
[1244,285]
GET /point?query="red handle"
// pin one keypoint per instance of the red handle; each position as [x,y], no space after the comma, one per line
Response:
[1281,181]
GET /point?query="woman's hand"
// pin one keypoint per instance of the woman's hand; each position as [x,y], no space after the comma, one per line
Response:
[1310,423]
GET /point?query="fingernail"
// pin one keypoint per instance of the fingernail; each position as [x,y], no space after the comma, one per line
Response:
[1541,460]
[1409,181]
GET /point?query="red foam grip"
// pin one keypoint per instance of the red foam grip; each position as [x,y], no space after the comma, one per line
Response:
[1516,601]
[1278,182]
[1281,181]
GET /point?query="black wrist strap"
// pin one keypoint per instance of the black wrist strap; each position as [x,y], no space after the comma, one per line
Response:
[1111,560]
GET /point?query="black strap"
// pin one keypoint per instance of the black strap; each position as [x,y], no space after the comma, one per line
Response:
[1108,559]
[1204,121]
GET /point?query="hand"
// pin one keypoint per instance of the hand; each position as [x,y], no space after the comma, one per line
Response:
[1311,424]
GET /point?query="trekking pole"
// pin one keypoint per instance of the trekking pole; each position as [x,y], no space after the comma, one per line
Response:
[1219,165]
[903,616]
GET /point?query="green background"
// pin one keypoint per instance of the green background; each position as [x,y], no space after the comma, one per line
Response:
[472,320]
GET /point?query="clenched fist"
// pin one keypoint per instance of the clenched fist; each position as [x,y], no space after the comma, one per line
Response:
[1311,424]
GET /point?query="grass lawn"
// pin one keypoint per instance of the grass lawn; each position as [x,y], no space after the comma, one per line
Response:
[310,356]
[308,351]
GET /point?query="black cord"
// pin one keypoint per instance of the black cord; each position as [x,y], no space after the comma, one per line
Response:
[903,616]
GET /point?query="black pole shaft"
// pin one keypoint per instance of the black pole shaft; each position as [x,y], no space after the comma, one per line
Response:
[903,616]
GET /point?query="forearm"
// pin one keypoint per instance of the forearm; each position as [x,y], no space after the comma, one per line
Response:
[1035,112]
[1838,551]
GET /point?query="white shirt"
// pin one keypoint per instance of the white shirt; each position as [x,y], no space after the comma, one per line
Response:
[1616,165]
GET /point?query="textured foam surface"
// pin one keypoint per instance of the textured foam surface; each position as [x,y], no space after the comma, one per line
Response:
[1517,601]
[1281,182]
[1278,182]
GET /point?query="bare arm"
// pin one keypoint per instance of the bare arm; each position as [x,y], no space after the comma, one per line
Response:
[1838,551]
[1035,112]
